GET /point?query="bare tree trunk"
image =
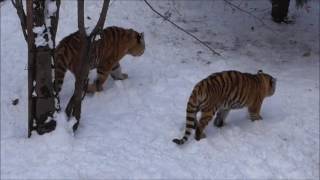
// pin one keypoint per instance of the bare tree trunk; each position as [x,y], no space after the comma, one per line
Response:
[31,65]
[74,105]
[41,104]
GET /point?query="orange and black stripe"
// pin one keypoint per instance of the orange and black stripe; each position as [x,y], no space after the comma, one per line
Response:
[108,49]
[221,92]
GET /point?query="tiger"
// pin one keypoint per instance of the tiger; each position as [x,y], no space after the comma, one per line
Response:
[222,91]
[108,49]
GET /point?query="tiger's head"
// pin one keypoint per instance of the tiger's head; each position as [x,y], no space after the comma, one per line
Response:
[137,44]
[269,82]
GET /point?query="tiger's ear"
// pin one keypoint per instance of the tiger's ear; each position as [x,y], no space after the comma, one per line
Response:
[273,82]
[260,71]
[140,37]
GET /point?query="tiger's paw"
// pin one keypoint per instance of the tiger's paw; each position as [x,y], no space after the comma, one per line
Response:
[199,137]
[122,76]
[255,117]
[92,88]
[218,123]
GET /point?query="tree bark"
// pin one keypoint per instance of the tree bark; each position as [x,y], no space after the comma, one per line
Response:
[41,104]
[82,71]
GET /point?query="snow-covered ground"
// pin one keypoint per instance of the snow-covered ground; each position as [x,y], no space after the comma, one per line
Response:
[126,130]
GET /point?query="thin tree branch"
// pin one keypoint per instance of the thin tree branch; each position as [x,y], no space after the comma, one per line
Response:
[249,13]
[22,16]
[180,28]
[14,4]
[102,18]
[54,23]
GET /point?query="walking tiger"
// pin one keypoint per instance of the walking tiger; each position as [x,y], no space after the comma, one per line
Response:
[221,92]
[114,44]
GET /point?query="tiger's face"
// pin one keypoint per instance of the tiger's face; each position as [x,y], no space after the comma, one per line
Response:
[137,45]
[270,83]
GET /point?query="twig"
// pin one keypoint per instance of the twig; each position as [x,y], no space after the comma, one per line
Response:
[14,4]
[261,10]
[180,28]
[22,16]
[54,23]
[249,13]
[102,18]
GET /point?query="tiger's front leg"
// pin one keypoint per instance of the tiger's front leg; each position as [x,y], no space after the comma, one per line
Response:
[221,116]
[117,74]
[254,111]
[98,83]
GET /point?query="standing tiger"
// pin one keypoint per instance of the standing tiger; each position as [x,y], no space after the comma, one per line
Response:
[221,92]
[114,44]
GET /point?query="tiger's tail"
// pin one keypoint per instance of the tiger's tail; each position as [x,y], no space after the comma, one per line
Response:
[192,109]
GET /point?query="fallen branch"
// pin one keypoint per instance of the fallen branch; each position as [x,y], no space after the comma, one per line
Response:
[249,13]
[180,28]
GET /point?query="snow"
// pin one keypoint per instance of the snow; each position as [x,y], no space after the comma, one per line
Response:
[126,130]
[38,29]
[40,41]
[50,10]
[51,7]
[92,13]
[89,29]
[40,32]
[34,93]
[97,38]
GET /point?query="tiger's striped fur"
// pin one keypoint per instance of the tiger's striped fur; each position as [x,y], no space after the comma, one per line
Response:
[114,44]
[221,92]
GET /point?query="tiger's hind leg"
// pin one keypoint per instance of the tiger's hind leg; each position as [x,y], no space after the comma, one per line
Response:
[117,74]
[98,83]
[203,122]
[221,116]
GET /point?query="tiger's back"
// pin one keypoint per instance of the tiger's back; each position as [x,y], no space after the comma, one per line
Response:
[221,92]
[229,90]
